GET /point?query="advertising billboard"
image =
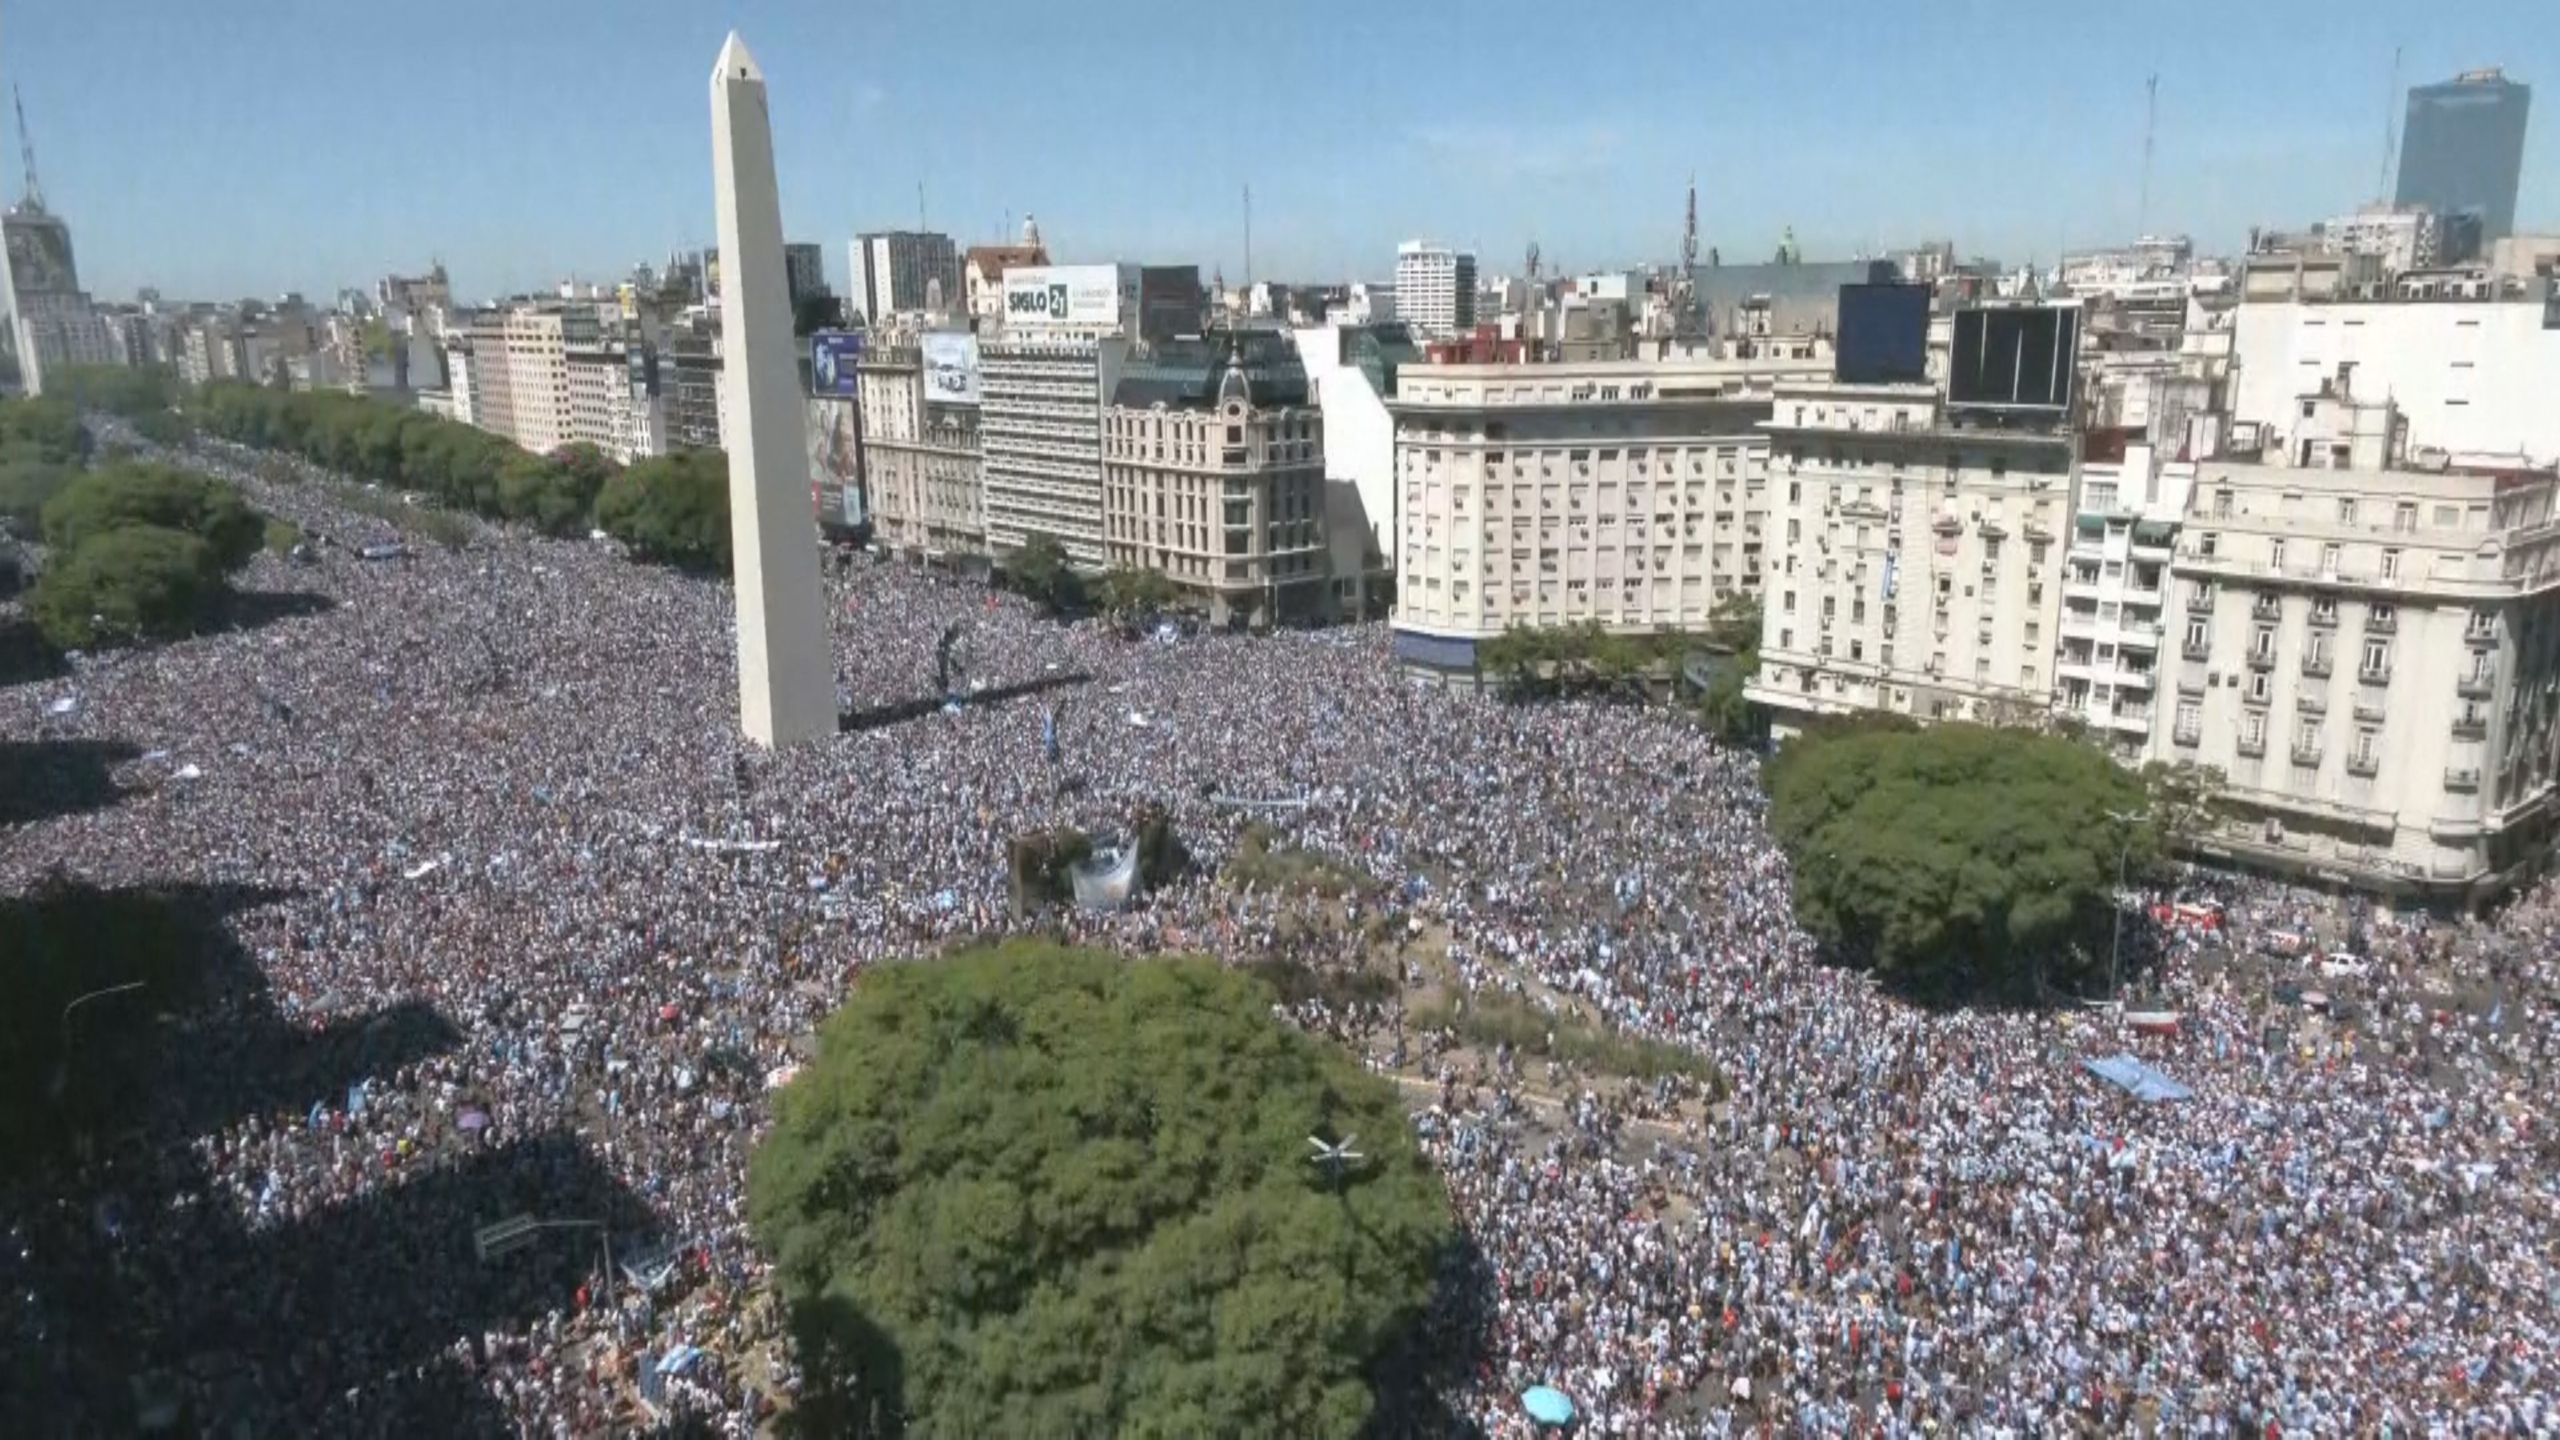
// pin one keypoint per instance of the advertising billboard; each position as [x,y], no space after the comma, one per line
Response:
[1083,295]
[950,368]
[834,357]
[1884,333]
[835,463]
[2014,357]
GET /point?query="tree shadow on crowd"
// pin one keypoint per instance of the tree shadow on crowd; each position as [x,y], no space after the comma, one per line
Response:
[853,1375]
[267,1325]
[1433,1353]
[899,712]
[42,779]
[257,609]
[25,657]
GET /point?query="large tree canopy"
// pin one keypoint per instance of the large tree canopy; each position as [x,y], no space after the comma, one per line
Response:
[1037,1191]
[126,495]
[1958,858]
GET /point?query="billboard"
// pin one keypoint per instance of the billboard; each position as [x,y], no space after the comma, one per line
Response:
[834,357]
[1883,334]
[835,463]
[1064,295]
[2014,357]
[950,367]
[1169,301]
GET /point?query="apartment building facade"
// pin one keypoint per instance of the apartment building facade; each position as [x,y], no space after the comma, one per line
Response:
[1631,494]
[1213,476]
[1435,289]
[2115,594]
[921,461]
[1920,560]
[2370,654]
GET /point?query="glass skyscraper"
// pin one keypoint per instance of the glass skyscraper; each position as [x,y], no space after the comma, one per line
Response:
[2463,148]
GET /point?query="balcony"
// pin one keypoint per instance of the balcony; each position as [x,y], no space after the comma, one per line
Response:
[2307,756]
[2465,781]
[2145,633]
[2325,618]
[2367,765]
[2253,747]
[2317,665]
[2470,727]
[2074,587]
[2380,622]
[2262,659]
[2311,702]
[2374,675]
[2133,679]
[2476,687]
[2368,708]
[2266,607]
[2480,638]
[2188,734]
[2195,649]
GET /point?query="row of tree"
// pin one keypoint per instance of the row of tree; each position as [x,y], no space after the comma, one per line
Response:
[672,510]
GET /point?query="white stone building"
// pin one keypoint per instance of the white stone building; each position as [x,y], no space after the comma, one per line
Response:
[1627,493]
[1917,566]
[921,461]
[1351,370]
[1040,435]
[2371,655]
[2115,587]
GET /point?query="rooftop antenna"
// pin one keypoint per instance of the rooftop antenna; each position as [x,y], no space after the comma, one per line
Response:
[920,220]
[2390,129]
[2150,130]
[27,152]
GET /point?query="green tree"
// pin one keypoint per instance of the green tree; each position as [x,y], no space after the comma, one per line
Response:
[27,485]
[1041,572]
[1041,1191]
[2183,801]
[48,429]
[144,494]
[1128,593]
[132,391]
[137,582]
[672,509]
[1955,860]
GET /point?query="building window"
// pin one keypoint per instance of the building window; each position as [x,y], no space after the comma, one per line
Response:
[2259,687]
[2199,635]
[2253,731]
[2377,658]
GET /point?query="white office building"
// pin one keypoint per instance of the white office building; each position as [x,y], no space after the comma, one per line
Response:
[920,454]
[1630,494]
[1435,289]
[1040,433]
[1917,565]
[1351,371]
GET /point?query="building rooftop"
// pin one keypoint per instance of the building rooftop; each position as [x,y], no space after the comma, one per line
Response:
[1187,374]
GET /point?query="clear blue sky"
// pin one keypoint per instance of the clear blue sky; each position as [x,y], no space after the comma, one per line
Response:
[243,147]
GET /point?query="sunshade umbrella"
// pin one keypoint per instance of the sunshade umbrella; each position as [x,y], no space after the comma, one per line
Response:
[1547,1405]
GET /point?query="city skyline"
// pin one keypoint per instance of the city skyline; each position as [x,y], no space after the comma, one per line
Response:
[571,145]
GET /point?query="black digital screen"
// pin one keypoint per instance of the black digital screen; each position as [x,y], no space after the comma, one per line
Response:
[1884,334]
[2019,357]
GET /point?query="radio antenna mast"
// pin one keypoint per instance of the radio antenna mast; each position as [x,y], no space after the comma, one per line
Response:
[27,152]
[2390,129]
[2150,132]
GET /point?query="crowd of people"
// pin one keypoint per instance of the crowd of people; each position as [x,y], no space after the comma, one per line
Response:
[504,784]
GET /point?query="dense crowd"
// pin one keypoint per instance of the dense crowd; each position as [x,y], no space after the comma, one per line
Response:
[505,784]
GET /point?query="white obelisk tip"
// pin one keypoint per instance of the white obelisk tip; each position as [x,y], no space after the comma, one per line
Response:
[735,62]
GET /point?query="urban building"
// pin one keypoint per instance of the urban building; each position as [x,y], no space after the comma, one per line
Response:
[52,321]
[1213,476]
[1916,557]
[2115,590]
[1435,289]
[1369,304]
[414,295]
[1351,374]
[1631,494]
[804,272]
[462,378]
[689,372]
[2471,358]
[984,268]
[892,271]
[2370,652]
[920,447]
[2526,257]
[1040,435]
[2462,148]
[2400,237]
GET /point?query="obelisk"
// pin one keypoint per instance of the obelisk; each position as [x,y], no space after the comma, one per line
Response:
[786,680]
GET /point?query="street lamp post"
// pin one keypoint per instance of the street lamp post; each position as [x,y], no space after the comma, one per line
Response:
[62,1058]
[2115,948]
